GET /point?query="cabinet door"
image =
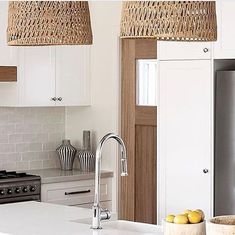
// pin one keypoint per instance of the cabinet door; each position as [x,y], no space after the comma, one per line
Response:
[37,76]
[183,50]
[184,136]
[73,75]
[8,55]
[225,46]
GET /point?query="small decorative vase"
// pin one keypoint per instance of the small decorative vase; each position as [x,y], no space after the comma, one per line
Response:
[66,153]
[85,156]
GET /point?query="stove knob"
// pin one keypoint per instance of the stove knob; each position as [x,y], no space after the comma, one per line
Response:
[17,190]
[32,189]
[9,191]
[25,190]
[2,192]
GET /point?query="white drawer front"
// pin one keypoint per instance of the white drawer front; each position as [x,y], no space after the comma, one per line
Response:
[183,50]
[76,192]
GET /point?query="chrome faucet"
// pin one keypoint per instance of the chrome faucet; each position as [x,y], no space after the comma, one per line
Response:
[99,213]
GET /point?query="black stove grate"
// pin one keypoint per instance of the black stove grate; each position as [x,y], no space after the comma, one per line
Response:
[12,174]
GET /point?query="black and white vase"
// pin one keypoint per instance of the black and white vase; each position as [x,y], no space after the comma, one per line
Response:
[85,156]
[66,153]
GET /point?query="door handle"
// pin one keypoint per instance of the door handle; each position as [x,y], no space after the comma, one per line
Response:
[77,192]
[205,171]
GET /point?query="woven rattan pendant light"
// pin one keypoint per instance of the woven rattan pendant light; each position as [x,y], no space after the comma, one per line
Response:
[36,23]
[169,20]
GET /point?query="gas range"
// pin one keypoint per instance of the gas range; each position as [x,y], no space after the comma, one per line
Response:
[19,187]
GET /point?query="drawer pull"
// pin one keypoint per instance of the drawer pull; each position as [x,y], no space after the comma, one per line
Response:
[77,192]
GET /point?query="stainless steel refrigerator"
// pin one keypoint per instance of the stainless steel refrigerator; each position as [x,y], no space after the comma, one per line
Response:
[224,143]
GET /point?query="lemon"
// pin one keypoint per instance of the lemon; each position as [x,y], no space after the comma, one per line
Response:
[181,219]
[170,218]
[186,212]
[202,213]
[194,217]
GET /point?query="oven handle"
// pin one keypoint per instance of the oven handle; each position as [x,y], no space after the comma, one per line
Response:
[77,192]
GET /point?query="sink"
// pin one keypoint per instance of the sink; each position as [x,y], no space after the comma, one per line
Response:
[126,226]
[147,229]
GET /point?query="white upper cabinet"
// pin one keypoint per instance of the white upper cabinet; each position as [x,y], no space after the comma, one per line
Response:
[8,55]
[184,136]
[36,74]
[225,46]
[183,50]
[46,76]
[73,75]
[54,76]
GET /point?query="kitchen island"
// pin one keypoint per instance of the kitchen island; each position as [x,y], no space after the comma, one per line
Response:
[38,218]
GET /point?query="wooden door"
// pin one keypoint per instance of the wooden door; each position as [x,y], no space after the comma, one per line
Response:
[185,136]
[137,192]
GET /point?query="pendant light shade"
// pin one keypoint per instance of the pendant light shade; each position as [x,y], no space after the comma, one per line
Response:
[38,23]
[169,20]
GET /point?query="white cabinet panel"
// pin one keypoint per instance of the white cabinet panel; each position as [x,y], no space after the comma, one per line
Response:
[184,136]
[168,50]
[36,76]
[73,75]
[8,55]
[75,192]
[225,46]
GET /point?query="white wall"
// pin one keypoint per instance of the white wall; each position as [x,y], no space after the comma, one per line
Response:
[102,116]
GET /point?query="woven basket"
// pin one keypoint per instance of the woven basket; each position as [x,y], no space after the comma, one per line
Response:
[169,20]
[35,23]
[221,225]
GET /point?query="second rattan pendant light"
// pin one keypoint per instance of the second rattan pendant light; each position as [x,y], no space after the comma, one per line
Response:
[169,20]
[35,23]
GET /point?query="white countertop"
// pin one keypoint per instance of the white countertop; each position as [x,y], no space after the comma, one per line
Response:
[58,175]
[38,218]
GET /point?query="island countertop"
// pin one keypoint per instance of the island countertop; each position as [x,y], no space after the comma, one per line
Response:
[58,175]
[37,218]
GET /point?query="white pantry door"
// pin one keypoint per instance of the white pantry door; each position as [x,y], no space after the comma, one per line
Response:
[184,136]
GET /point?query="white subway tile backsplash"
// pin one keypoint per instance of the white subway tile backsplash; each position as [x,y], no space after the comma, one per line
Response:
[3,138]
[15,138]
[29,137]
[36,165]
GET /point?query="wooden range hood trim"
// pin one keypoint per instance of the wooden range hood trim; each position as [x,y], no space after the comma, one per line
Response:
[8,74]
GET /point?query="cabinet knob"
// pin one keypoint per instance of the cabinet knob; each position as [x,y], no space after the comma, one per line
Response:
[205,171]
[205,50]
[60,99]
[53,99]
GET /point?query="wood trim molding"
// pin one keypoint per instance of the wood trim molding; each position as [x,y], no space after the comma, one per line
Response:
[127,206]
[8,73]
[131,117]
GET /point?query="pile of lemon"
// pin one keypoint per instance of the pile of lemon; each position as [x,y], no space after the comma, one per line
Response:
[187,217]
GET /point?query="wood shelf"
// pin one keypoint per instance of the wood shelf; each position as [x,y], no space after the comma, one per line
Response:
[8,73]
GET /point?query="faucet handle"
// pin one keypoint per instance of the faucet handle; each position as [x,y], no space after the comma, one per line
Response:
[105,214]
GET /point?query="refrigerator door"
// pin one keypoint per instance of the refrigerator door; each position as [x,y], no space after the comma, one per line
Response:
[225,143]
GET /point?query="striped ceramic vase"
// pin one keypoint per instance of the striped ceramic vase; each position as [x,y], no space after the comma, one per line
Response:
[87,160]
[66,153]
[85,156]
